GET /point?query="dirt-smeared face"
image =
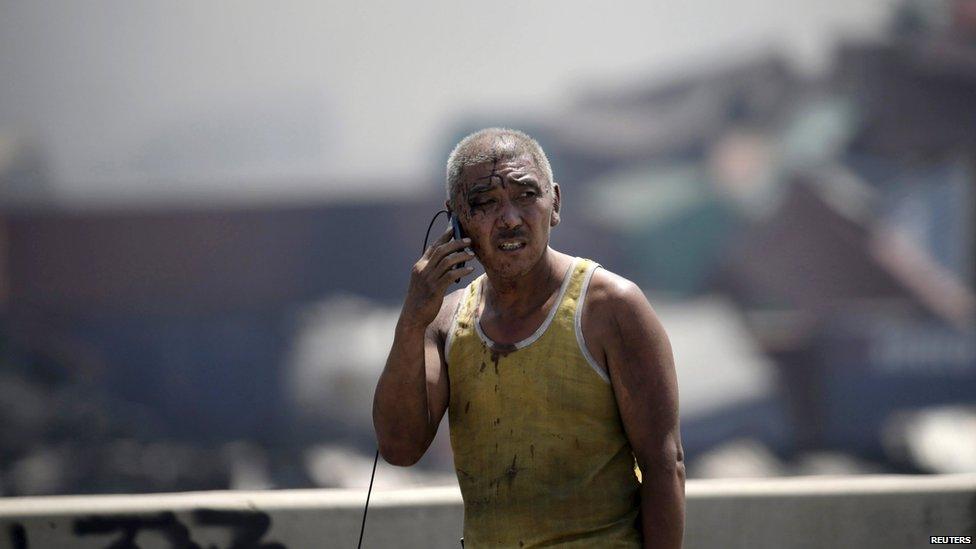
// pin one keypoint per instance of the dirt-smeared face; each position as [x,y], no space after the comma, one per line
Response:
[507,209]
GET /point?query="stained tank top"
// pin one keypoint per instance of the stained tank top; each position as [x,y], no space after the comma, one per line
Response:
[539,448]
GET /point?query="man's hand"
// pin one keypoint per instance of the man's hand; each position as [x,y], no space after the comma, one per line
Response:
[431,276]
[412,393]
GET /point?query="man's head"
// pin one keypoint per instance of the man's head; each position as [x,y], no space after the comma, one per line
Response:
[492,144]
[500,187]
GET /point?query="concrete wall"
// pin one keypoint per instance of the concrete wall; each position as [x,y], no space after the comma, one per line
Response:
[881,511]
[814,512]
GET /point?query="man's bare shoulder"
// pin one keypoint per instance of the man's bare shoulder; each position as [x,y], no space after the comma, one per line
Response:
[613,304]
[609,292]
[442,323]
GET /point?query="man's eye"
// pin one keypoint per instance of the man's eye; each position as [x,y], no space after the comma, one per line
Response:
[527,194]
[480,203]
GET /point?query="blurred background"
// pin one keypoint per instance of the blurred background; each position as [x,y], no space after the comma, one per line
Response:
[208,213]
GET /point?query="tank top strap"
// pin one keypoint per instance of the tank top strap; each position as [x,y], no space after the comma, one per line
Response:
[464,313]
[569,310]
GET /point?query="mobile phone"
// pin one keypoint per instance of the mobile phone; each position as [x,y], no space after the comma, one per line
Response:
[458,234]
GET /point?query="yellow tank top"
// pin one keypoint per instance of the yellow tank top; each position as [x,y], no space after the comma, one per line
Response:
[539,448]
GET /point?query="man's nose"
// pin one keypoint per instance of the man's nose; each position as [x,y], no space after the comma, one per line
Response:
[511,217]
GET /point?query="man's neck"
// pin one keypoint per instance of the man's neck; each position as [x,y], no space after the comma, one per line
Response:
[523,295]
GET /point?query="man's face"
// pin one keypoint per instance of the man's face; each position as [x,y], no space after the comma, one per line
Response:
[507,209]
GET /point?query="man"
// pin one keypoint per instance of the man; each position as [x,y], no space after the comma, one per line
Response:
[557,373]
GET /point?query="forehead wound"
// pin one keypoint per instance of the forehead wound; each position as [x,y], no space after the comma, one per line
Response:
[491,152]
[493,176]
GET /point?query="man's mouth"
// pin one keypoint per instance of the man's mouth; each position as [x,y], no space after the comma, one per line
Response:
[511,245]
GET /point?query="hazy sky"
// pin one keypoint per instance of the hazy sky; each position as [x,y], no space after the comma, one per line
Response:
[136,100]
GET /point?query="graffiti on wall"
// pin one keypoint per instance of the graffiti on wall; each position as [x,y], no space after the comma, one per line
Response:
[247,529]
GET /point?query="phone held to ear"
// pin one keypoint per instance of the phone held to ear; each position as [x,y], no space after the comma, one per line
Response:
[458,234]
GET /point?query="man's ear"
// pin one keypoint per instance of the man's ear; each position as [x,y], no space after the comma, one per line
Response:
[556,199]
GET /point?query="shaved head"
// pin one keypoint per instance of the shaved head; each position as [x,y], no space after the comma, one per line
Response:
[492,145]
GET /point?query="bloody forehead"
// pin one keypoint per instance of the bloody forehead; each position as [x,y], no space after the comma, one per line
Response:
[483,176]
[491,177]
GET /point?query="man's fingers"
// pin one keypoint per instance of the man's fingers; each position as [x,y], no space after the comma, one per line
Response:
[441,240]
[454,275]
[455,258]
[443,249]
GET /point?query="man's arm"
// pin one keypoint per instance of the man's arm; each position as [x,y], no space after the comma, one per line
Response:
[413,391]
[641,367]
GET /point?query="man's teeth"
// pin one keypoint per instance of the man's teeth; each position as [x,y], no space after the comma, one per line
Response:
[511,245]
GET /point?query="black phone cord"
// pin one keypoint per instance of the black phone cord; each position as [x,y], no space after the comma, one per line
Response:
[376,459]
